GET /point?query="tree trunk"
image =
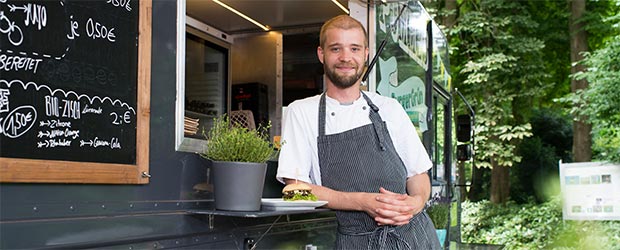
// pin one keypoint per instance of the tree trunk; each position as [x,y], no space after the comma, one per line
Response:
[475,189]
[461,180]
[582,139]
[450,19]
[500,184]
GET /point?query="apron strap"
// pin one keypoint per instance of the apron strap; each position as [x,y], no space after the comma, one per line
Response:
[373,114]
[376,120]
[322,115]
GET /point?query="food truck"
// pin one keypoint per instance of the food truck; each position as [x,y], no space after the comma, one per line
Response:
[103,104]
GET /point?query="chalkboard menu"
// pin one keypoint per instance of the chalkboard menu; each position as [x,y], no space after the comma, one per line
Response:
[74,90]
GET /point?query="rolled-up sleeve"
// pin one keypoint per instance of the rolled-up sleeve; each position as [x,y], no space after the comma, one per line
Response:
[295,160]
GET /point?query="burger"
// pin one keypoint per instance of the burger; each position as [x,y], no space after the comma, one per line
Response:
[298,191]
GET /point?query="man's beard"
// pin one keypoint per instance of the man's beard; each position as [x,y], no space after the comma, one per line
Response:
[341,81]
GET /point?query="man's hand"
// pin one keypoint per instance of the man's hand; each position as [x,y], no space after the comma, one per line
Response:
[396,209]
[386,207]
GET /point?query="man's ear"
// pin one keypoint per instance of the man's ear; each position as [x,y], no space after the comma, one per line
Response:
[319,53]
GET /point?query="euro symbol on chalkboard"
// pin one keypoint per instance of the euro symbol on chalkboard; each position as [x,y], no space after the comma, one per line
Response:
[127,117]
[19,121]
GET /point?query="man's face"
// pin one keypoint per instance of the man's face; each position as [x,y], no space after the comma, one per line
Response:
[344,56]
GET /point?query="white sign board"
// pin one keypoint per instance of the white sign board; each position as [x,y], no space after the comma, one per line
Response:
[590,191]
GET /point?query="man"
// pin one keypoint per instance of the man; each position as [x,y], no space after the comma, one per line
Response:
[359,151]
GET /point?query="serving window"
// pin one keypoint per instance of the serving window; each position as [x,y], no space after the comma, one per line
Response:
[206,77]
[203,80]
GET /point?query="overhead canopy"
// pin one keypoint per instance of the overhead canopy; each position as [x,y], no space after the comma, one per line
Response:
[277,14]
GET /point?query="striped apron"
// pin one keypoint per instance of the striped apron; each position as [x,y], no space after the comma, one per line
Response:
[362,160]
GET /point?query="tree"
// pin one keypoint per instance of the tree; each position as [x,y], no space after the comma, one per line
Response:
[553,18]
[582,141]
[600,101]
[500,65]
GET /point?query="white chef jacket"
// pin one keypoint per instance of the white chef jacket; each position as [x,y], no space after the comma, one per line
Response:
[299,152]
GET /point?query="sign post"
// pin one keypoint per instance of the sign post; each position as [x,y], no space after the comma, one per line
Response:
[590,191]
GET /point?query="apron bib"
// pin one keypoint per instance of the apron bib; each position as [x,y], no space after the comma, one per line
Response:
[362,160]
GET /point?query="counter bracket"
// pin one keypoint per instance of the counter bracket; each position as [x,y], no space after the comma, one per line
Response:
[211,223]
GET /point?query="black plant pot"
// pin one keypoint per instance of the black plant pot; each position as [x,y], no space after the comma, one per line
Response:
[238,186]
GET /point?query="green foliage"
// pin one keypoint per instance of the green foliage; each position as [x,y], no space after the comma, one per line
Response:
[537,174]
[500,70]
[552,17]
[577,235]
[600,102]
[534,226]
[601,19]
[495,141]
[231,142]
[517,227]
[439,213]
[555,129]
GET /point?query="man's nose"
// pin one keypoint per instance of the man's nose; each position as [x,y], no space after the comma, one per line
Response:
[346,55]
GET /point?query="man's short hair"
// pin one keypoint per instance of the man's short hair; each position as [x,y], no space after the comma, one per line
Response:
[342,22]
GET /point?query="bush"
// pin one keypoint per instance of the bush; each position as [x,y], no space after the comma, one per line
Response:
[534,226]
[439,213]
[231,142]
[532,176]
[551,142]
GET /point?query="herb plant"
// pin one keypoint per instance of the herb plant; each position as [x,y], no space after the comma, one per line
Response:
[228,141]
[439,214]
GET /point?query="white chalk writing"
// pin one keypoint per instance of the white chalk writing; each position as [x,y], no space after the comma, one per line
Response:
[19,121]
[16,63]
[54,124]
[12,31]
[121,119]
[68,133]
[95,30]
[88,99]
[74,27]
[120,3]
[62,108]
[88,109]
[97,142]
[70,119]
[4,100]
[35,14]
[52,143]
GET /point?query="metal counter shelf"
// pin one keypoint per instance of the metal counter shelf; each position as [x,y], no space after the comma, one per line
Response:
[255,214]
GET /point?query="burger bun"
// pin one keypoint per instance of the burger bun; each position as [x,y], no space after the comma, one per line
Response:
[296,186]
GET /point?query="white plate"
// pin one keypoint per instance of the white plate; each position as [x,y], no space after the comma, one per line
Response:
[278,204]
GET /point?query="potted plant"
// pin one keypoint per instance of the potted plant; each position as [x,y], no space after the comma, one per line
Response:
[439,212]
[238,158]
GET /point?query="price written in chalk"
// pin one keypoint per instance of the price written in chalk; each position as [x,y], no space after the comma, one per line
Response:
[120,119]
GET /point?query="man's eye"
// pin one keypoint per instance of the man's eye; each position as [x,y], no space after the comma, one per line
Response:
[335,49]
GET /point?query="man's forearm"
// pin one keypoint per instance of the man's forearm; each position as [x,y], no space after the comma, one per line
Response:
[419,186]
[339,200]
